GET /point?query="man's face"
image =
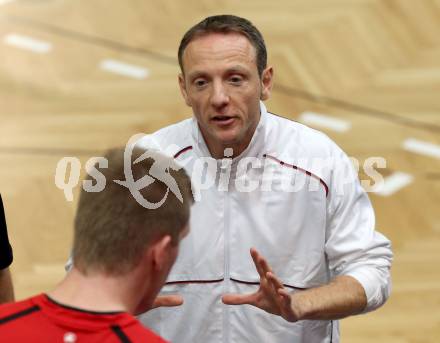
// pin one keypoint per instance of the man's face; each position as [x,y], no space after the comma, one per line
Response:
[222,85]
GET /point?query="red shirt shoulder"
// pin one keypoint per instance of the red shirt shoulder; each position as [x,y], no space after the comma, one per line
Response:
[41,319]
[15,307]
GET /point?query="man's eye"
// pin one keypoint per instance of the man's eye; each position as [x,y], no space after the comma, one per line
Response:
[236,79]
[200,83]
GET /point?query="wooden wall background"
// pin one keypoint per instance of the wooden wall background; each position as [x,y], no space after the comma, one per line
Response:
[373,63]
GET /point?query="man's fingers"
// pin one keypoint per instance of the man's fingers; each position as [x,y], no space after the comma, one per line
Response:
[287,308]
[261,263]
[264,264]
[238,299]
[168,301]
[274,280]
[284,294]
[256,258]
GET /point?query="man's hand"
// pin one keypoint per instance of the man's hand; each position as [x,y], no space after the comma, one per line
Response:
[167,301]
[271,297]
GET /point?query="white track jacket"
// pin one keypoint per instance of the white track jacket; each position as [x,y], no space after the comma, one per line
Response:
[294,196]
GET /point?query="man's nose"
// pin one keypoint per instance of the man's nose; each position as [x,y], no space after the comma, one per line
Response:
[219,96]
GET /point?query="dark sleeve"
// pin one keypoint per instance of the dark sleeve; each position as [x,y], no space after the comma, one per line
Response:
[5,247]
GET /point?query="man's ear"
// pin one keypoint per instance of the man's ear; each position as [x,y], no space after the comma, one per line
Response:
[266,83]
[183,89]
[161,253]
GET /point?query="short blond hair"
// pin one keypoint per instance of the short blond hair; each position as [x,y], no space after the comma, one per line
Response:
[112,229]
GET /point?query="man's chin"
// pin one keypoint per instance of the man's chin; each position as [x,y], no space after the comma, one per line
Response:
[227,137]
[228,141]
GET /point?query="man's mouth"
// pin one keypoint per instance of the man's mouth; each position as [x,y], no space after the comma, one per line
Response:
[223,120]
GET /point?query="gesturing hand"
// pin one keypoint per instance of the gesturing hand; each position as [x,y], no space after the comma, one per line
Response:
[167,301]
[271,296]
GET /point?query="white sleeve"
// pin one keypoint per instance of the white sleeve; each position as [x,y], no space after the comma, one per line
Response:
[353,247]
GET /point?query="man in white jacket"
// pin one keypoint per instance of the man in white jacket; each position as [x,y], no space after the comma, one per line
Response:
[269,186]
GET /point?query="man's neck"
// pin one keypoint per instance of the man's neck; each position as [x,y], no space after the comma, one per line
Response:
[98,293]
[219,151]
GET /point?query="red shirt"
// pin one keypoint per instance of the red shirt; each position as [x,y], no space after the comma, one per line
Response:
[41,320]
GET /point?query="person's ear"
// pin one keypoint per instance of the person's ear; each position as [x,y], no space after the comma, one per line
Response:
[266,83]
[162,253]
[182,86]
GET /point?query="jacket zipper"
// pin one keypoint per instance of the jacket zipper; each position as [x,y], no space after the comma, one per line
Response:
[224,188]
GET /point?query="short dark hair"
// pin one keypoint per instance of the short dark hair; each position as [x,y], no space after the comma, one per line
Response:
[227,24]
[112,229]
